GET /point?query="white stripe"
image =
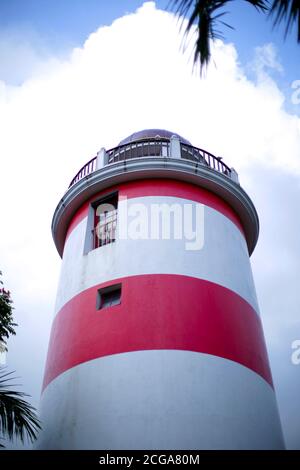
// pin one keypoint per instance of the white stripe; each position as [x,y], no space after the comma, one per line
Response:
[223,259]
[159,400]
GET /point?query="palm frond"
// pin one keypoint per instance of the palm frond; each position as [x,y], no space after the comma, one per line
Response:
[17,417]
[206,15]
[261,5]
[289,11]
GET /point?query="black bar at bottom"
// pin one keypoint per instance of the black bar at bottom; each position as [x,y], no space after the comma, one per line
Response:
[132,459]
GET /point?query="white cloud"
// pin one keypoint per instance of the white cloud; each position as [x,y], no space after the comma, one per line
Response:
[126,77]
[266,58]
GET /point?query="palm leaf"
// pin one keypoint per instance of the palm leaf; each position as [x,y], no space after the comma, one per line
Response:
[289,11]
[206,15]
[17,416]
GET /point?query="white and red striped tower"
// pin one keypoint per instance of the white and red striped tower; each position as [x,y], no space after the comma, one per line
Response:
[154,345]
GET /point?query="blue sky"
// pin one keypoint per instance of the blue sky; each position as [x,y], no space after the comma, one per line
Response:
[66,23]
[65,93]
[55,27]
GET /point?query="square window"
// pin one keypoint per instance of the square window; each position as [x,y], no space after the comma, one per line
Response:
[108,296]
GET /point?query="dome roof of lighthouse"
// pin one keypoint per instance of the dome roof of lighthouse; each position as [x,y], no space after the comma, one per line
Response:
[152,134]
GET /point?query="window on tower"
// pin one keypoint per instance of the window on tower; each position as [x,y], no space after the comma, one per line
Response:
[108,296]
[105,220]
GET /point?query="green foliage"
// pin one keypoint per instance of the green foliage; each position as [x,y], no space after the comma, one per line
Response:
[6,318]
[17,417]
[207,14]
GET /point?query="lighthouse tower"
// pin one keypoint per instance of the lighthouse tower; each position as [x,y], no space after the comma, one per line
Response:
[157,341]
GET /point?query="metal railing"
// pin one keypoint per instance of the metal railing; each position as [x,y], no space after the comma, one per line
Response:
[88,168]
[140,149]
[154,148]
[188,152]
[105,231]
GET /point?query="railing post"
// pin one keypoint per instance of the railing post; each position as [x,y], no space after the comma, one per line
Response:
[234,176]
[175,150]
[102,158]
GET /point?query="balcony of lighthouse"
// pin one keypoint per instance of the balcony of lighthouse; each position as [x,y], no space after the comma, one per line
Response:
[155,154]
[163,145]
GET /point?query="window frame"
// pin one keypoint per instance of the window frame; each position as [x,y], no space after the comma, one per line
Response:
[113,199]
[104,292]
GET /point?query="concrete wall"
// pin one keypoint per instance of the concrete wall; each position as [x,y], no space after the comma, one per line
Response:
[181,362]
[223,259]
[160,400]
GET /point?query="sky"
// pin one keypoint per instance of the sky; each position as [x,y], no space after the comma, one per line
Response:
[79,75]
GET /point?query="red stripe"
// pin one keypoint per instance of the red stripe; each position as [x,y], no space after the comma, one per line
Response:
[158,312]
[161,187]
